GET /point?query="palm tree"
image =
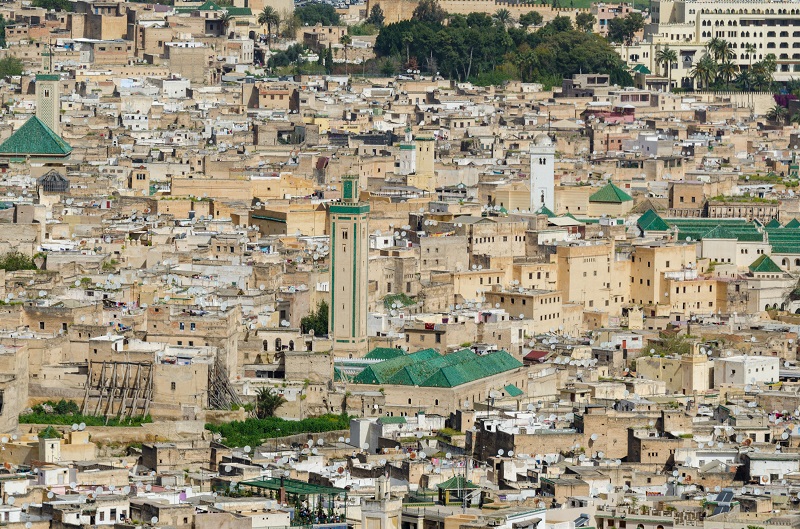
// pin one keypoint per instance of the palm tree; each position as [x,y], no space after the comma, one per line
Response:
[666,56]
[504,17]
[727,71]
[270,18]
[345,41]
[719,49]
[777,114]
[750,49]
[745,80]
[704,71]
[225,20]
[795,119]
[763,72]
[267,403]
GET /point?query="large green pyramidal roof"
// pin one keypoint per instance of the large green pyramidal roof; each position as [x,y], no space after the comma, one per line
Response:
[34,138]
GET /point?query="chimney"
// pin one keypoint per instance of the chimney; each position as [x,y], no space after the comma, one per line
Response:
[282,494]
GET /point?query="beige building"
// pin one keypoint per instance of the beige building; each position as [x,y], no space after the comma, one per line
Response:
[685,374]
[589,274]
[653,267]
[687,26]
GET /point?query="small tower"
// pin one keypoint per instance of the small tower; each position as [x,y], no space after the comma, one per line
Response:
[347,320]
[408,155]
[382,512]
[48,101]
[49,448]
[423,177]
[543,170]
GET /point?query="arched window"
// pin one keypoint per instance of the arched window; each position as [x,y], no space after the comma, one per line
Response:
[265,345]
[291,345]
[278,344]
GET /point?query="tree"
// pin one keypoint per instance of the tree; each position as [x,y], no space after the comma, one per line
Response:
[719,50]
[388,67]
[408,38]
[777,114]
[704,71]
[376,16]
[313,14]
[750,50]
[345,41]
[762,72]
[476,47]
[267,403]
[585,21]
[3,23]
[270,18]
[57,5]
[671,345]
[624,29]
[50,433]
[225,20]
[727,71]
[290,25]
[13,261]
[317,320]
[429,11]
[666,56]
[503,16]
[531,18]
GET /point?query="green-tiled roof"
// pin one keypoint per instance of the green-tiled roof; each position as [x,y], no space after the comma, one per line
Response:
[765,264]
[36,139]
[513,391]
[544,210]
[457,483]
[610,194]
[704,228]
[794,223]
[384,353]
[427,368]
[392,420]
[773,224]
[641,68]
[651,221]
[381,372]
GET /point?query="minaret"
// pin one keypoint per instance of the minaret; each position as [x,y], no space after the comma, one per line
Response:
[349,252]
[384,510]
[48,101]
[543,170]
[408,155]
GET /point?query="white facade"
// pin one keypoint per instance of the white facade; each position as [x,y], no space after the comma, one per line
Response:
[742,370]
[543,169]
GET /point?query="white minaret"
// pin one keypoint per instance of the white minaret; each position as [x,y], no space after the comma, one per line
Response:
[543,170]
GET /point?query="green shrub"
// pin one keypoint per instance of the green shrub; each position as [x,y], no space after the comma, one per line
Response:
[253,432]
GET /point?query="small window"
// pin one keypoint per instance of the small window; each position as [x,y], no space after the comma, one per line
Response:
[172,386]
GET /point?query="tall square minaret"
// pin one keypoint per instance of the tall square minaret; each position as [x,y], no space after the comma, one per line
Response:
[543,170]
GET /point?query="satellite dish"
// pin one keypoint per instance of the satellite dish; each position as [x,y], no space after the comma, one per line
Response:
[154,520]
